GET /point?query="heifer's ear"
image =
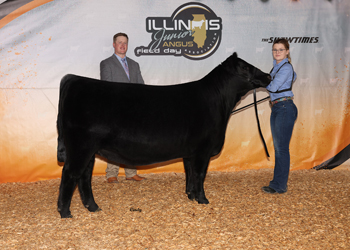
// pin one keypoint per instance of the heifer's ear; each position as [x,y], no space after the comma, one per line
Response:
[234,55]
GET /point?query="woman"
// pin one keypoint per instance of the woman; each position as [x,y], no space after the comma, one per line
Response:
[283,116]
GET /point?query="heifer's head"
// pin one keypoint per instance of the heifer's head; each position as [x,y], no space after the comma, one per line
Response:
[247,73]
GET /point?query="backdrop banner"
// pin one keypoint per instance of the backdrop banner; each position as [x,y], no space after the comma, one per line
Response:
[174,42]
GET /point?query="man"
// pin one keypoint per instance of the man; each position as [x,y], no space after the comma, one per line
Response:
[120,68]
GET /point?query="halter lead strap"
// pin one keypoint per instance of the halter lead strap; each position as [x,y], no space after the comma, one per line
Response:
[257,120]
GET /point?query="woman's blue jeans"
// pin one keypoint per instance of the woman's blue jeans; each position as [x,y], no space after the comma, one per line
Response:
[282,121]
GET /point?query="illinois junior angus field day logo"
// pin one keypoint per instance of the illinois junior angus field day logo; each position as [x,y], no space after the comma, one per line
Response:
[193,31]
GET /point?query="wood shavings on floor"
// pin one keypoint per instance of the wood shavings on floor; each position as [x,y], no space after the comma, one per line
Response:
[156,213]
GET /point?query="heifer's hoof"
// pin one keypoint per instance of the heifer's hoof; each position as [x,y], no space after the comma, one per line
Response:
[190,196]
[66,215]
[98,210]
[93,208]
[203,201]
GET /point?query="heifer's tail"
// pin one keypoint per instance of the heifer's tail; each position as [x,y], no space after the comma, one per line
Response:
[61,149]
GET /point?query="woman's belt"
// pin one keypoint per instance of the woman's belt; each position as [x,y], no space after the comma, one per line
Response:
[281,100]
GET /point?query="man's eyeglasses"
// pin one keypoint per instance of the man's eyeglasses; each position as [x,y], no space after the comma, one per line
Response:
[277,50]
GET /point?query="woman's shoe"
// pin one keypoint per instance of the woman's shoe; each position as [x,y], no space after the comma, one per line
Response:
[269,190]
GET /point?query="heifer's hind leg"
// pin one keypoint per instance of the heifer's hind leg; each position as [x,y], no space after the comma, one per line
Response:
[74,168]
[68,184]
[84,185]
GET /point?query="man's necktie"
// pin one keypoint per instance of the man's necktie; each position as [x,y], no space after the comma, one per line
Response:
[125,67]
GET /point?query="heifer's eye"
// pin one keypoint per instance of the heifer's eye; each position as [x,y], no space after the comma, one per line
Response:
[246,68]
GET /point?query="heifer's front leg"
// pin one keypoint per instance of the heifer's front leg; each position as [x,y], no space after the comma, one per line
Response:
[68,183]
[84,185]
[200,171]
[188,164]
[196,170]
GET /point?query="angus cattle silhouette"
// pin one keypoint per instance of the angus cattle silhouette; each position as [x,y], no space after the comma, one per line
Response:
[137,124]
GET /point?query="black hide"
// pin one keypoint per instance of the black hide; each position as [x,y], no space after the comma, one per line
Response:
[140,124]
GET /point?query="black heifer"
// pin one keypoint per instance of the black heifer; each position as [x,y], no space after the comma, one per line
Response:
[141,124]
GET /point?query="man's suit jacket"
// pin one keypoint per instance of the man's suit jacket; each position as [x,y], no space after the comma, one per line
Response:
[112,70]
